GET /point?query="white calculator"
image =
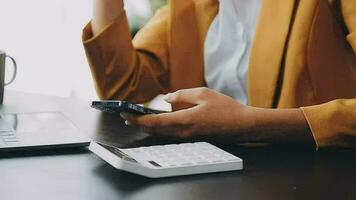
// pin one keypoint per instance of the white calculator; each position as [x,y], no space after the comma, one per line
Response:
[169,160]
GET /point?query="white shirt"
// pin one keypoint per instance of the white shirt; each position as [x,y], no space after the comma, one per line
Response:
[227,47]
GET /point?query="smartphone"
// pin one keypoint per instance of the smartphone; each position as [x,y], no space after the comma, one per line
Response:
[118,107]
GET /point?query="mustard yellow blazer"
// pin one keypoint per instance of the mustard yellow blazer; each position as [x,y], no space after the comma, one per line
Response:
[303,55]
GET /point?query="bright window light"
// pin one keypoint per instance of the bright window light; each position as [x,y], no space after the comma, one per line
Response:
[44,36]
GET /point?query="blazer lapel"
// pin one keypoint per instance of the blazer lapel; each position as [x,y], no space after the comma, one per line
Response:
[267,51]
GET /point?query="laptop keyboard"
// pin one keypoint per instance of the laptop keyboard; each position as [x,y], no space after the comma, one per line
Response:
[7,134]
[8,139]
[38,130]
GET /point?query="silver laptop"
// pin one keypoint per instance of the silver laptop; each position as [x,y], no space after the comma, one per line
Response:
[19,131]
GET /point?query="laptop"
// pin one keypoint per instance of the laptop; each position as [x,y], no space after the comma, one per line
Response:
[35,130]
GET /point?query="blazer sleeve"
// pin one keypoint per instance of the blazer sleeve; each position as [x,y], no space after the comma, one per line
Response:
[333,124]
[133,70]
[348,10]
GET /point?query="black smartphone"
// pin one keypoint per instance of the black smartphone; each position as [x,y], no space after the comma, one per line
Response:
[110,106]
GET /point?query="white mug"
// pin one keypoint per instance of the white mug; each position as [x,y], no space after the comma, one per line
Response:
[3,57]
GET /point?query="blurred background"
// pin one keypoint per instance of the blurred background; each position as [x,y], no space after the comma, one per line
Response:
[44,36]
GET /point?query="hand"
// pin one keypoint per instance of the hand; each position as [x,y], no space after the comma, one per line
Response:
[214,114]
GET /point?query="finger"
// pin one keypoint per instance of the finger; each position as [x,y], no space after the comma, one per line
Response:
[162,131]
[173,124]
[193,96]
[126,116]
[158,121]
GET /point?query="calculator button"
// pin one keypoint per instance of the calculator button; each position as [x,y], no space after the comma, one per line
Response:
[202,162]
[181,155]
[7,133]
[186,164]
[215,159]
[10,139]
[12,143]
[135,150]
[2,143]
[198,159]
[154,163]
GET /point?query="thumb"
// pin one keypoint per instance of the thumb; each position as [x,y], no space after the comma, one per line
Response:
[187,96]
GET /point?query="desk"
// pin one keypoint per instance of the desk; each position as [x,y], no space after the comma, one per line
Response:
[270,173]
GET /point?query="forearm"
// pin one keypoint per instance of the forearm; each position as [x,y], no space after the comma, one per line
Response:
[105,12]
[123,70]
[278,126]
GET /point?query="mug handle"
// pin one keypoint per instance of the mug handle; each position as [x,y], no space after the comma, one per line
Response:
[15,70]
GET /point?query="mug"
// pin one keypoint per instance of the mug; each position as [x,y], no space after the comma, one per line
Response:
[3,57]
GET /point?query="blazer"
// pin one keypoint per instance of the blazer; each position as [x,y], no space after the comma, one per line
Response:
[303,56]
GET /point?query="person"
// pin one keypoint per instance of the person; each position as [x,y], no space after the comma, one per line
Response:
[257,71]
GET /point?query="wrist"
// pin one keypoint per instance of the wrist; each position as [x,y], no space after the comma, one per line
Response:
[251,116]
[276,125]
[245,119]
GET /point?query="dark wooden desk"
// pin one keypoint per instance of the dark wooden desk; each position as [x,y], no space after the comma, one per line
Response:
[270,172]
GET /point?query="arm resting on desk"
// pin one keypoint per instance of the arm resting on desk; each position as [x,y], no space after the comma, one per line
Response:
[215,115]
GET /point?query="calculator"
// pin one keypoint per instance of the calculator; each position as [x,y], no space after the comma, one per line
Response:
[169,160]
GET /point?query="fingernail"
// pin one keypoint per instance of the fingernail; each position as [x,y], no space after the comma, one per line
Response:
[168,97]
